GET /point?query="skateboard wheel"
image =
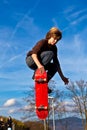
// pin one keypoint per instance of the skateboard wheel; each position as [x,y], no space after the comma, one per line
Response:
[35,107]
[45,79]
[46,108]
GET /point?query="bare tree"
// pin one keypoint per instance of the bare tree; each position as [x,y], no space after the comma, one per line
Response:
[59,106]
[78,93]
[29,109]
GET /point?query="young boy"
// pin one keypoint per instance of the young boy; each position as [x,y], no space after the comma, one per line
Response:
[43,55]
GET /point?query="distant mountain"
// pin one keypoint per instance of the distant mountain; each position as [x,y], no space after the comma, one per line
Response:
[71,123]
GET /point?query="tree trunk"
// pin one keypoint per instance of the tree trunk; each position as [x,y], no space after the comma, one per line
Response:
[86,121]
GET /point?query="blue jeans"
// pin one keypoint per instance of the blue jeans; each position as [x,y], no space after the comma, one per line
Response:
[45,59]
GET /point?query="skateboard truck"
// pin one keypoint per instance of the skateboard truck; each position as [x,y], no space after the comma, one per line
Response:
[41,80]
[41,107]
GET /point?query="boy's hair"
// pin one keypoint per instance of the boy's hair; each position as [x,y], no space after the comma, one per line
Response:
[55,33]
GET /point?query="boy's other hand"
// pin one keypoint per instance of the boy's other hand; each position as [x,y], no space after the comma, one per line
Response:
[66,80]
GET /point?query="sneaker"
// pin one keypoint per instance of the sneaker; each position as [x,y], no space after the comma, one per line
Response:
[49,90]
[33,75]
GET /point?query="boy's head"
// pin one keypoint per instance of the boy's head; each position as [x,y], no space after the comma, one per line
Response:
[55,33]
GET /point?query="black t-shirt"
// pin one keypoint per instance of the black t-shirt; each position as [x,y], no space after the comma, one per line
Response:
[42,46]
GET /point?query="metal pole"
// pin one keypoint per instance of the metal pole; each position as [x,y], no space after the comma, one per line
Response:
[13,126]
[52,99]
[44,124]
[48,119]
[53,114]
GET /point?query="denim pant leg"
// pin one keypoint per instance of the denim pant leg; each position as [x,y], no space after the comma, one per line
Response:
[50,67]
[51,70]
[30,62]
[44,59]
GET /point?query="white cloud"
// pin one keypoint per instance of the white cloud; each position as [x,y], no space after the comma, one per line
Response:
[10,111]
[66,105]
[80,19]
[11,102]
[69,10]
[5,1]
[5,33]
[29,107]
[15,57]
[74,17]
[77,13]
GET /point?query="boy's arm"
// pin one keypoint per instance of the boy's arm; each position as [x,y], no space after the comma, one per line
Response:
[59,70]
[37,62]
[66,81]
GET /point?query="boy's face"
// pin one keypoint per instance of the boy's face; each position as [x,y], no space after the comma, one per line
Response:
[52,41]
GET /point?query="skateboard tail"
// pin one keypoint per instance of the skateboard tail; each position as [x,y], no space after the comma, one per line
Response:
[41,115]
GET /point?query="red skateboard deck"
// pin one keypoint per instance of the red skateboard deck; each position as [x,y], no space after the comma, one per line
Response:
[41,94]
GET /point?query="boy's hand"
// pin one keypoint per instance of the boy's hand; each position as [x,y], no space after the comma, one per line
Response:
[42,69]
[66,80]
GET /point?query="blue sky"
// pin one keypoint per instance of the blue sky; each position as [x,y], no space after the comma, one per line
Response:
[22,24]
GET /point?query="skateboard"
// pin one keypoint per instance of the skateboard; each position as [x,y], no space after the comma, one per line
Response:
[41,94]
